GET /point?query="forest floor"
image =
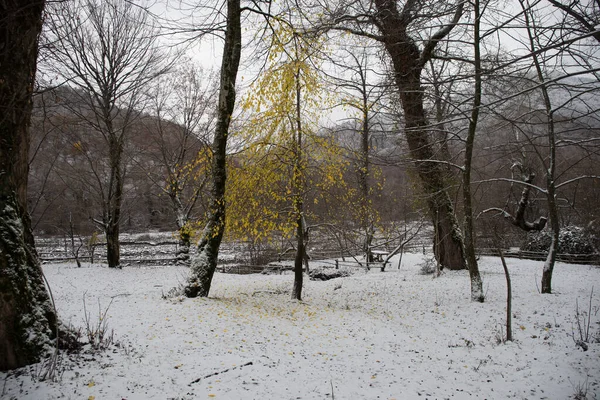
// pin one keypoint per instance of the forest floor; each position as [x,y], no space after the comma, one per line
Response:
[392,335]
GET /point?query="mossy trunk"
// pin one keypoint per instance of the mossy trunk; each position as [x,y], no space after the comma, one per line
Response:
[205,263]
[28,322]
[183,248]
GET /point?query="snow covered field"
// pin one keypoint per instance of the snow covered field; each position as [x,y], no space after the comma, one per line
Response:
[391,335]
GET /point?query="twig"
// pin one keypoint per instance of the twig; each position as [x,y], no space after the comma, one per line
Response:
[589,316]
[220,372]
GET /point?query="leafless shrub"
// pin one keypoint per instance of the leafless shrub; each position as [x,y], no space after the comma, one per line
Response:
[581,330]
[98,334]
[428,266]
[580,391]
[499,336]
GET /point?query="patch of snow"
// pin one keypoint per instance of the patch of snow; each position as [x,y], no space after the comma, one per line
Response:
[396,334]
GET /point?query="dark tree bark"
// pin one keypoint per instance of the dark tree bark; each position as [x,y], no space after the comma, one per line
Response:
[111,218]
[299,258]
[204,264]
[476,283]
[298,188]
[519,218]
[28,322]
[509,336]
[408,62]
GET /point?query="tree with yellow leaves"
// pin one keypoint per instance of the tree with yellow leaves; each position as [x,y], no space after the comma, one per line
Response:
[286,158]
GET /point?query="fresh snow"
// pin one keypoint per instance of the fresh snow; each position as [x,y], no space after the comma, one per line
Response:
[391,335]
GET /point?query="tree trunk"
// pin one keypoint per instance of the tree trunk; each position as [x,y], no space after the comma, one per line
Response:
[204,264]
[364,171]
[114,199]
[113,248]
[184,235]
[553,250]
[469,241]
[300,252]
[298,190]
[551,158]
[28,322]
[408,62]
[183,247]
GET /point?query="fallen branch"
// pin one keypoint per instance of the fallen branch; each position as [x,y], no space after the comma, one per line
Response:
[220,372]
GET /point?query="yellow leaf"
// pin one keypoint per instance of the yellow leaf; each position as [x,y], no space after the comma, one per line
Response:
[212,395]
[91,384]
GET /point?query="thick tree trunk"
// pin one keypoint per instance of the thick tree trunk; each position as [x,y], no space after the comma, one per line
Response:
[204,264]
[408,63]
[364,167]
[113,248]
[448,245]
[28,322]
[114,199]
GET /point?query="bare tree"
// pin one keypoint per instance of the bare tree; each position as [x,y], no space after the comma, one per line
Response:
[180,127]
[582,17]
[362,92]
[109,50]
[553,112]
[28,321]
[399,27]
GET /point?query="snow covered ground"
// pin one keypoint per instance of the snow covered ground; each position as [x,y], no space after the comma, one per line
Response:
[391,335]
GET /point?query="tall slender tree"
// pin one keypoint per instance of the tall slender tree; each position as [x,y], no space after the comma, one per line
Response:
[205,263]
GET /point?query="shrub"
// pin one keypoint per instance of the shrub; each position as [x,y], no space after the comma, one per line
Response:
[428,266]
[325,274]
[572,240]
